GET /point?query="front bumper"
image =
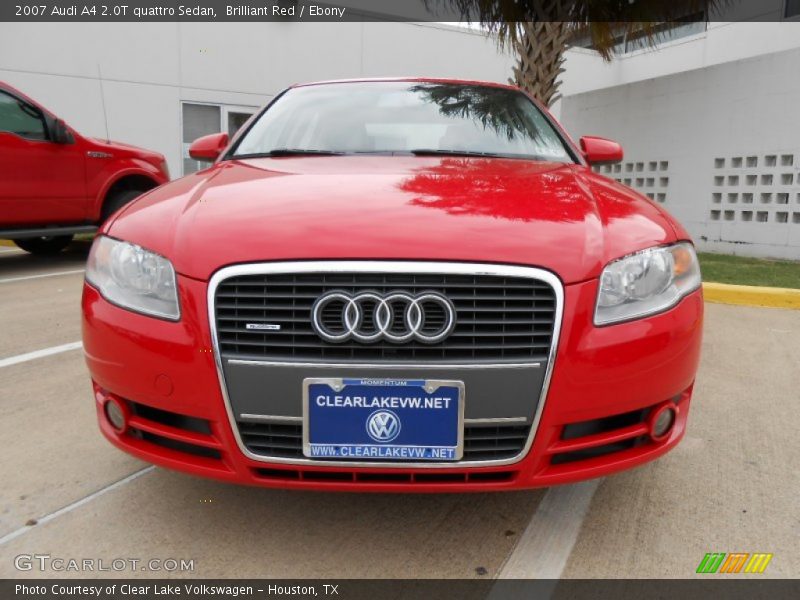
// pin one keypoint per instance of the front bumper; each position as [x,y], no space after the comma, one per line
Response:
[606,384]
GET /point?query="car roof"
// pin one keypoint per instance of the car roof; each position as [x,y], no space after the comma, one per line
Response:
[411,79]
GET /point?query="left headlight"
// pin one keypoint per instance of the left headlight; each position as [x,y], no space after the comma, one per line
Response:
[134,278]
[645,283]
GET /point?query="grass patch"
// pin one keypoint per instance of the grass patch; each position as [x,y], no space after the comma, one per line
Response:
[742,270]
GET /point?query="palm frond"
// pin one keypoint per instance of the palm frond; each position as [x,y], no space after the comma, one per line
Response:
[540,31]
[604,20]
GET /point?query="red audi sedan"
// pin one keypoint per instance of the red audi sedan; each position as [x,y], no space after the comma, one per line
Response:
[395,285]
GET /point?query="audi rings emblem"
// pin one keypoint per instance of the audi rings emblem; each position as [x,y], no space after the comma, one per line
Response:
[396,317]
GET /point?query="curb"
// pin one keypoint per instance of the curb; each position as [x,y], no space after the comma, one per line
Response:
[748,295]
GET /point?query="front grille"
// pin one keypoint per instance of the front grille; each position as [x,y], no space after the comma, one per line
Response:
[498,318]
[610,424]
[607,435]
[170,419]
[495,442]
[272,439]
[481,442]
[189,435]
[372,477]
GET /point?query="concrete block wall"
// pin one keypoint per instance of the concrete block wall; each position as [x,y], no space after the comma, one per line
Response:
[718,146]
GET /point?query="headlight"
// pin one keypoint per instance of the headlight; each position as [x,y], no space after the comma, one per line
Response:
[646,282]
[134,278]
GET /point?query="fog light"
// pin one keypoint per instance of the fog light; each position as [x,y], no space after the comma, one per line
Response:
[662,421]
[116,414]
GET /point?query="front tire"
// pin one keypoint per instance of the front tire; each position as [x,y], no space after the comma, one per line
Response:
[46,245]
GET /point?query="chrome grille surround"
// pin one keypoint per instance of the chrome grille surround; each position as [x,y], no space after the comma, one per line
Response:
[385,267]
[352,317]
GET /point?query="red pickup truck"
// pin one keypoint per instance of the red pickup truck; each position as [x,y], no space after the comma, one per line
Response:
[56,183]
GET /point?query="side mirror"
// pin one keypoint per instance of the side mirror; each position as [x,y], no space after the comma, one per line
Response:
[599,151]
[60,133]
[209,147]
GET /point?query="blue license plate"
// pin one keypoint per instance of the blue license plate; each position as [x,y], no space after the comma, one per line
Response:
[383,419]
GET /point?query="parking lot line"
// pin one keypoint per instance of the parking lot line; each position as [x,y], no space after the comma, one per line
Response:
[77,504]
[546,544]
[40,276]
[20,358]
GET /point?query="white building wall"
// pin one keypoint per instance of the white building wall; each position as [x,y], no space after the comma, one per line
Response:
[718,145]
[149,69]
[720,43]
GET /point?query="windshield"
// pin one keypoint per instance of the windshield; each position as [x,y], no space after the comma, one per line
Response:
[406,118]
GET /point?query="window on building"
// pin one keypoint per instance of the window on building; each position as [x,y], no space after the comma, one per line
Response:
[662,32]
[205,119]
[792,9]
[666,32]
[20,118]
[236,120]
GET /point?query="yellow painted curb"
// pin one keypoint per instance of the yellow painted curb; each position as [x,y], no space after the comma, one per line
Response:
[6,243]
[749,295]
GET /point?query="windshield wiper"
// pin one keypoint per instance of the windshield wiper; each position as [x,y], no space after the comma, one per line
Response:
[432,152]
[277,152]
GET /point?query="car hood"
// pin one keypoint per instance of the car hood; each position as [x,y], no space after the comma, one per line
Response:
[558,217]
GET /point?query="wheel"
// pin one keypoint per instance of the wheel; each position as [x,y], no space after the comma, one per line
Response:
[46,245]
[119,200]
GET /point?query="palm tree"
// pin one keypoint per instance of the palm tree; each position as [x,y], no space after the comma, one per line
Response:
[540,31]
[487,105]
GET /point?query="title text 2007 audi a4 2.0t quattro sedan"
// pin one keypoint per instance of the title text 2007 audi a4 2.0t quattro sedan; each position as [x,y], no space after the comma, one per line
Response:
[395,285]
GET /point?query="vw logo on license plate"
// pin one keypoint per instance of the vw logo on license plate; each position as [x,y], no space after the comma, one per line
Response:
[383,426]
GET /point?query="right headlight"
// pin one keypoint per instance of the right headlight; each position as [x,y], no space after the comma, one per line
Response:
[134,278]
[646,283]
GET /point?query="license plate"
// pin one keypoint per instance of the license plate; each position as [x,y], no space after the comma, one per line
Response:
[383,419]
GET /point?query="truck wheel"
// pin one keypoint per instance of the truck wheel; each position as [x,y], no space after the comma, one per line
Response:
[47,245]
[119,200]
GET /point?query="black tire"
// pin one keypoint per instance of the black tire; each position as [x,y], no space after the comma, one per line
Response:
[45,246]
[119,200]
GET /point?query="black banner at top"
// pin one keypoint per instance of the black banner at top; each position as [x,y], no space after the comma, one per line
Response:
[581,11]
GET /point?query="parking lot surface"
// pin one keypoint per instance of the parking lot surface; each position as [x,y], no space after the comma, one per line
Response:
[730,486]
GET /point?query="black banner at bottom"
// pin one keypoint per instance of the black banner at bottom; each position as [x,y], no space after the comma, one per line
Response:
[373,589]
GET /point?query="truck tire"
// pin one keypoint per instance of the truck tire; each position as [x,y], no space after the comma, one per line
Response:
[117,201]
[45,246]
